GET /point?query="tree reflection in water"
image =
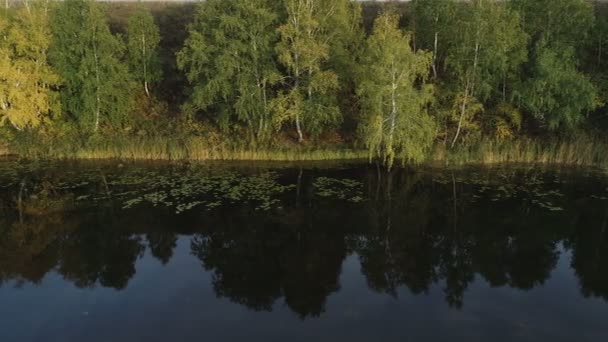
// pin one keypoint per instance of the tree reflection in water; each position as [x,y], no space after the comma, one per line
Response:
[417,230]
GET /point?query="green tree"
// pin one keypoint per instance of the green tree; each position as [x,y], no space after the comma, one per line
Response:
[229,59]
[556,92]
[143,38]
[558,23]
[88,58]
[595,61]
[394,95]
[599,39]
[26,80]
[343,26]
[343,29]
[304,49]
[433,22]
[488,49]
[558,95]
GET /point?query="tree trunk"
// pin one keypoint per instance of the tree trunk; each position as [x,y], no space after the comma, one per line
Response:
[475,63]
[297,88]
[434,65]
[15,126]
[308,93]
[145,63]
[97,80]
[299,128]
[470,85]
[393,119]
[435,46]
[262,128]
[261,84]
[463,110]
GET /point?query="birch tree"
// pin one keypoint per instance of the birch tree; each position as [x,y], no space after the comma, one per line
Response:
[229,60]
[95,83]
[143,38]
[489,47]
[434,20]
[394,95]
[27,82]
[309,100]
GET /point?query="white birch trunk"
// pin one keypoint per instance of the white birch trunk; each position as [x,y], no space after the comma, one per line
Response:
[97,96]
[393,116]
[470,84]
[145,63]
[297,85]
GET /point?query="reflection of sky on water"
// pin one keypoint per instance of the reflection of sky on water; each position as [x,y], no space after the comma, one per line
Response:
[177,302]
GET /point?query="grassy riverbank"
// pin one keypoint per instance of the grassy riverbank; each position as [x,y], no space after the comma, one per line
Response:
[583,152]
[575,152]
[174,149]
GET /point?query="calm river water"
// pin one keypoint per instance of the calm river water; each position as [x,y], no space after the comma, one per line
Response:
[235,252]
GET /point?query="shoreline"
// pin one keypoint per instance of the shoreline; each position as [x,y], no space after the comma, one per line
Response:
[586,153]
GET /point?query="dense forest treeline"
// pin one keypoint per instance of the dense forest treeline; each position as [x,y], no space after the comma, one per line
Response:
[249,78]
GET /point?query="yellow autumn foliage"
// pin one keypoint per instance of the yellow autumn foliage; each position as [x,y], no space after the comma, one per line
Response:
[26,79]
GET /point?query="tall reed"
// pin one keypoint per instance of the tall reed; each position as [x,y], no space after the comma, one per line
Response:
[579,152]
[582,151]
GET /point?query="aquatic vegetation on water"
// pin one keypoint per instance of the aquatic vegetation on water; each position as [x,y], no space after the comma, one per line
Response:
[182,188]
[187,191]
[524,186]
[344,189]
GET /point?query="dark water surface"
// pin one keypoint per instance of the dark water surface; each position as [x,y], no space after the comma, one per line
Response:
[216,252]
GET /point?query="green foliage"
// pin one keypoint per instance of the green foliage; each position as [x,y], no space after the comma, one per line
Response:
[143,38]
[487,51]
[491,45]
[346,36]
[560,23]
[598,41]
[95,83]
[395,123]
[27,82]
[505,50]
[342,23]
[505,121]
[595,60]
[229,60]
[433,23]
[467,114]
[557,94]
[303,50]
[501,70]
